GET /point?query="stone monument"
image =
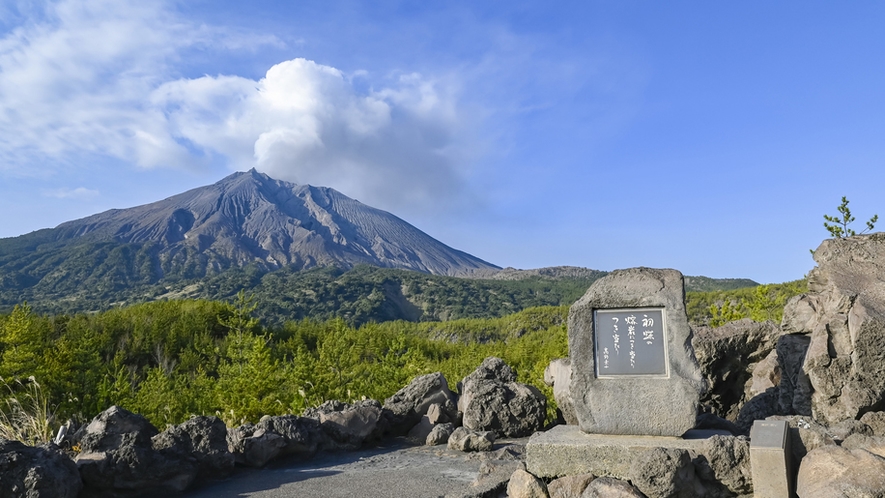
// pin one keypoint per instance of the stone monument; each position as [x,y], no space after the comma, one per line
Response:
[633,367]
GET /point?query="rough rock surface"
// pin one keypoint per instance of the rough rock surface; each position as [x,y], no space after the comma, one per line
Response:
[439,434]
[569,486]
[805,435]
[791,396]
[844,316]
[492,400]
[766,375]
[349,426]
[873,444]
[116,455]
[725,466]
[524,485]
[559,375]
[495,470]
[406,407]
[36,472]
[202,440]
[721,464]
[665,472]
[603,406]
[609,487]
[832,471]
[255,445]
[464,439]
[875,421]
[727,356]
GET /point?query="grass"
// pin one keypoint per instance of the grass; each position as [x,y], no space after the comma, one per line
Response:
[25,414]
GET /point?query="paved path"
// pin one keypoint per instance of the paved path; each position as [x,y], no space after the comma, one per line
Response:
[394,470]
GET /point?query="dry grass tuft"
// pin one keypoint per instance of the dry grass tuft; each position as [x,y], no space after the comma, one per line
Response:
[25,414]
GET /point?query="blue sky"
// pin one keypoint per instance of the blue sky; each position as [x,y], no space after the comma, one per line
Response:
[709,137]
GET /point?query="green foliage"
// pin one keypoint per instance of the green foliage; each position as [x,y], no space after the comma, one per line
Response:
[838,225]
[760,303]
[169,360]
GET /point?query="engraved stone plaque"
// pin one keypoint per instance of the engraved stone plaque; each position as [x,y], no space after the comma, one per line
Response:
[630,342]
[642,377]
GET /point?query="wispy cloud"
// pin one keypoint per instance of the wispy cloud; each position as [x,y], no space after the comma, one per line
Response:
[99,78]
[76,76]
[79,193]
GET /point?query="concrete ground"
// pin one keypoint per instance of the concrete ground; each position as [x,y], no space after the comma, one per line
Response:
[394,470]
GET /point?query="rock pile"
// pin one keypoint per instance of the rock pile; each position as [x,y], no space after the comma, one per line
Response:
[822,370]
[122,454]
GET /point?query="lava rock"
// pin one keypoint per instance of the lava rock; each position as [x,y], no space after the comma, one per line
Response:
[37,472]
[492,400]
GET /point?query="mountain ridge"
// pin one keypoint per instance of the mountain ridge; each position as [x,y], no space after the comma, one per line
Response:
[250,231]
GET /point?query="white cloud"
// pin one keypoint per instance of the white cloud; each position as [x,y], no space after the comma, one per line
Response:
[76,76]
[99,78]
[79,193]
[308,123]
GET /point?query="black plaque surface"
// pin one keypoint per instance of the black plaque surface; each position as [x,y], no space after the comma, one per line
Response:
[630,342]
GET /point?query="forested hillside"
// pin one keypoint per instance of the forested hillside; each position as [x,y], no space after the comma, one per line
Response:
[167,360]
[170,359]
[359,295]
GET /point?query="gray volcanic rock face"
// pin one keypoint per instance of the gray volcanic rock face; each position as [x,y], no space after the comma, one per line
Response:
[249,217]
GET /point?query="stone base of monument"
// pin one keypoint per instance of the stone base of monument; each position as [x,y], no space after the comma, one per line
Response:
[708,462]
[566,450]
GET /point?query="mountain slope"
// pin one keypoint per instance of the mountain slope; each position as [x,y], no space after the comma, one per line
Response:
[250,217]
[245,219]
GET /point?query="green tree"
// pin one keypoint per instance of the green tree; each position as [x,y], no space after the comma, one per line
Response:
[21,344]
[838,226]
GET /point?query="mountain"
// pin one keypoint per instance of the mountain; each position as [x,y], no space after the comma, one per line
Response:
[302,251]
[246,218]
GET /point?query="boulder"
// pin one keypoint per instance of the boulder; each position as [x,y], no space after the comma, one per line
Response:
[439,434]
[873,444]
[665,472]
[202,440]
[843,315]
[609,487]
[495,470]
[405,408]
[492,400]
[273,437]
[252,447]
[438,414]
[569,486]
[669,392]
[559,375]
[875,421]
[766,375]
[117,455]
[832,471]
[728,356]
[37,472]
[349,426]
[724,466]
[464,439]
[524,485]
[419,433]
[805,435]
[791,396]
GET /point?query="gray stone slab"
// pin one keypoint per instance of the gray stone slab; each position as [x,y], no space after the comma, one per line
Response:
[566,450]
[633,367]
[770,460]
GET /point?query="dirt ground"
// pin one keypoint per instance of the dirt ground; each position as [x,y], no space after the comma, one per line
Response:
[393,470]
